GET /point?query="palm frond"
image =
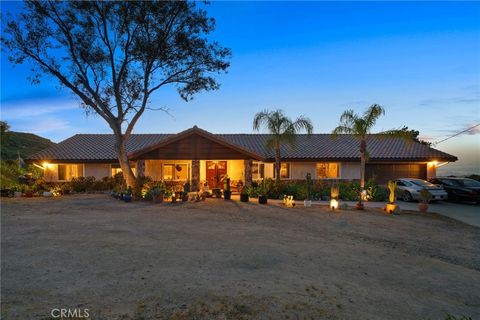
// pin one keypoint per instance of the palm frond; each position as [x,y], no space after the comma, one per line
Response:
[261,118]
[303,123]
[372,114]
[348,117]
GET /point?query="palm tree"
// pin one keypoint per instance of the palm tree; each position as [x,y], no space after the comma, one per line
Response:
[282,131]
[360,126]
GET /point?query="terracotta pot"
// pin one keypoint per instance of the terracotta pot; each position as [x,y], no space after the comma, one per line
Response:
[158,198]
[390,208]
[359,206]
[422,207]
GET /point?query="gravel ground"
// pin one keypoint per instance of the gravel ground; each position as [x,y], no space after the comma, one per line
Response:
[232,260]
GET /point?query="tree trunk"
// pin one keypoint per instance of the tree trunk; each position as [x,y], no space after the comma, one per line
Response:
[363,160]
[362,171]
[121,146]
[277,165]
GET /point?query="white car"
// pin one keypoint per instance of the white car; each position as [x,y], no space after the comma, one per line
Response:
[408,189]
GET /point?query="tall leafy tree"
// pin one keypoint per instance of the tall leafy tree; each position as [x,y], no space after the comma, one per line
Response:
[282,131]
[4,128]
[360,126]
[114,55]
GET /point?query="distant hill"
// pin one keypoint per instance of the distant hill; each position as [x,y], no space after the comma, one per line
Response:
[26,143]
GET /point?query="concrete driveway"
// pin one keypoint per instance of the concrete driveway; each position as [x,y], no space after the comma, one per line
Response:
[464,212]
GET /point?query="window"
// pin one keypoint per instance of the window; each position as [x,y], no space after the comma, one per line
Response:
[175,171]
[284,171]
[69,171]
[117,169]
[327,170]
[258,170]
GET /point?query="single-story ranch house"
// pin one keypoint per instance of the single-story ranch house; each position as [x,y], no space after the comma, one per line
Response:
[197,155]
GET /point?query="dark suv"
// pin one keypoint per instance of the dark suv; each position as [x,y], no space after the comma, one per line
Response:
[460,189]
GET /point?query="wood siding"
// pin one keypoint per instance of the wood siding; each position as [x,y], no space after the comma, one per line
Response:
[196,148]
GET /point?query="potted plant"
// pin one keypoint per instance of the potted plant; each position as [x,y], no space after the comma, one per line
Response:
[391,206]
[227,193]
[158,192]
[168,195]
[157,195]
[217,192]
[244,194]
[262,193]
[308,201]
[127,196]
[359,205]
[425,197]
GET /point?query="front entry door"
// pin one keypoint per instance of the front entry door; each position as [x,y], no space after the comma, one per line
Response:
[216,171]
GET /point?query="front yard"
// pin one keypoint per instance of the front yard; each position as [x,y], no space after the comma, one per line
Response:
[232,260]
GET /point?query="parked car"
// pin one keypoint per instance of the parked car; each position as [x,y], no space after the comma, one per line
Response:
[460,189]
[409,189]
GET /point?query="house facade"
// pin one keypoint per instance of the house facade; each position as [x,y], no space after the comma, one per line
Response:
[198,156]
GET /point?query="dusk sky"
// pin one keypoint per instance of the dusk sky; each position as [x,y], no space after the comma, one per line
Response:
[421,61]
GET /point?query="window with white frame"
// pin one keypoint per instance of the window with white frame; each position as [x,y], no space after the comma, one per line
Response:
[115,168]
[284,170]
[327,170]
[258,170]
[175,171]
[69,171]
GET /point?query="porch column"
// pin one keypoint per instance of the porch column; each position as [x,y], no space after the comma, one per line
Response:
[195,175]
[247,172]
[140,168]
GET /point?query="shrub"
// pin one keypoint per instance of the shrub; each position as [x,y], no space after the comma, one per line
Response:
[349,191]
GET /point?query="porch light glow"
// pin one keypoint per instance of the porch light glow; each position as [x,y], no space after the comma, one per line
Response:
[433,163]
[46,165]
[334,204]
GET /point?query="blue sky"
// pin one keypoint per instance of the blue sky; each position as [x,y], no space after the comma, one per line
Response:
[420,60]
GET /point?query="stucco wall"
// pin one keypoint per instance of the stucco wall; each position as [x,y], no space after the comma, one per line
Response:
[235,169]
[268,171]
[349,170]
[299,170]
[50,174]
[97,170]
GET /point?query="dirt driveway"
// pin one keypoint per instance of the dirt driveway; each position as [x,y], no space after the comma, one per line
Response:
[231,260]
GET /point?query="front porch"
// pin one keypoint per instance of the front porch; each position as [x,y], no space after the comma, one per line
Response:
[199,172]
[198,157]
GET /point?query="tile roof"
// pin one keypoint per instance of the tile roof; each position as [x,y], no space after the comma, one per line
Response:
[100,147]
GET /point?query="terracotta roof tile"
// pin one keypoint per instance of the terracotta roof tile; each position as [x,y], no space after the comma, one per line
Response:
[100,147]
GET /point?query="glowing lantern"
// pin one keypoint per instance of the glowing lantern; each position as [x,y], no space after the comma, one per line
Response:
[334,204]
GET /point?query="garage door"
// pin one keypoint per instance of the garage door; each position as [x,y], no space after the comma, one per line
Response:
[385,172]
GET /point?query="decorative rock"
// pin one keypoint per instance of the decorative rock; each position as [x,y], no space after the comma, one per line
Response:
[47,194]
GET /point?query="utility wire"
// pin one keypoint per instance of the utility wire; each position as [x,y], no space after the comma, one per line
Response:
[457,134]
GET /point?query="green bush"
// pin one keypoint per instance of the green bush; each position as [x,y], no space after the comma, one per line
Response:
[10,173]
[349,191]
[299,189]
